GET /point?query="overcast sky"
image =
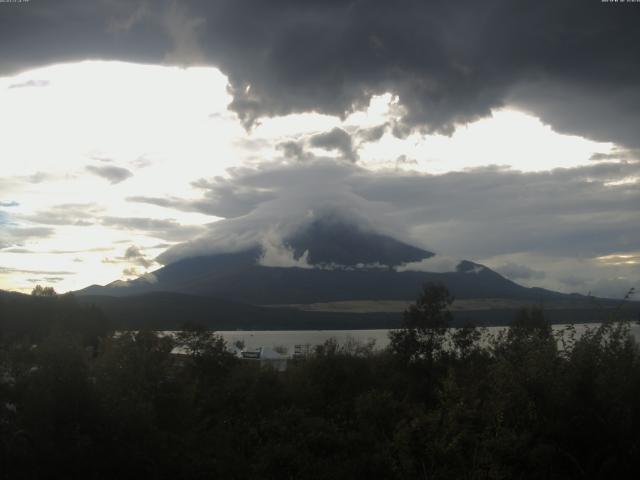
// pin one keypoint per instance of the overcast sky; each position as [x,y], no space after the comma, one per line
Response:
[134,133]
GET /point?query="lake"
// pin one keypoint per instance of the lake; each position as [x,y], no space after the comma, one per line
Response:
[288,339]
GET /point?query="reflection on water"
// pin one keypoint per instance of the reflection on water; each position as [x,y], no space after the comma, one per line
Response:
[288,339]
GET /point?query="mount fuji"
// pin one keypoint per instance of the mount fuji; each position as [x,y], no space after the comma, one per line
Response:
[330,260]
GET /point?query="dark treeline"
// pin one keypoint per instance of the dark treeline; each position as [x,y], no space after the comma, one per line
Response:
[77,401]
[25,319]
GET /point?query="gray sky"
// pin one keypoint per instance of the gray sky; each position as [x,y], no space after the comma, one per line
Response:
[503,132]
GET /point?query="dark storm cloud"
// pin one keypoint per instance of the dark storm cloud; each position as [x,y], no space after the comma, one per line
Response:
[448,61]
[336,139]
[616,154]
[111,173]
[47,31]
[601,110]
[572,63]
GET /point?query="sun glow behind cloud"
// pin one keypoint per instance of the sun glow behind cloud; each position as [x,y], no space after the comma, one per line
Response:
[157,129]
[508,138]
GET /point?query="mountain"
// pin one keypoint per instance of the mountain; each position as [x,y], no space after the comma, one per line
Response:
[332,241]
[344,262]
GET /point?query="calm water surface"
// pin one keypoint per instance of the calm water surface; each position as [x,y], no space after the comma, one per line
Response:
[288,339]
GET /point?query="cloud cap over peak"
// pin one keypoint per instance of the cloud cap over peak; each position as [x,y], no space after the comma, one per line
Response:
[521,223]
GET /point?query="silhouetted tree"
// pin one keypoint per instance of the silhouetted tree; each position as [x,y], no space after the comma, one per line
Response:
[424,325]
[40,291]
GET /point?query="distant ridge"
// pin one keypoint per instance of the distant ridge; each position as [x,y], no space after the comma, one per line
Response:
[171,311]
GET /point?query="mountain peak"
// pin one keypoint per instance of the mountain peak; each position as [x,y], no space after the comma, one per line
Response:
[331,240]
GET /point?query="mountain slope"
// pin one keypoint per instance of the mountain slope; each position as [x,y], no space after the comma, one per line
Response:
[332,241]
[239,278]
[343,262]
[267,285]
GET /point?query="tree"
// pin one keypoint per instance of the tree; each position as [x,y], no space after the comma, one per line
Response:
[205,354]
[424,325]
[41,291]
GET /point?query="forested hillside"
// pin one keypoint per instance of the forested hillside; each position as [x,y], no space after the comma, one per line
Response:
[438,403]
